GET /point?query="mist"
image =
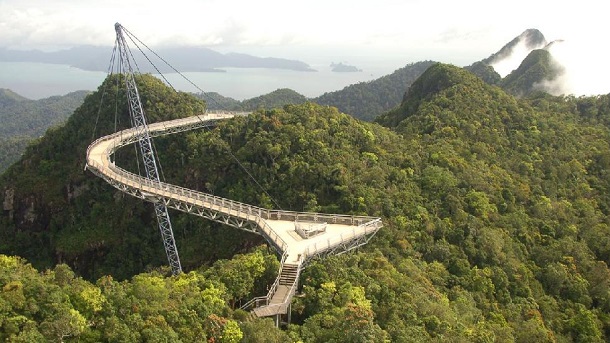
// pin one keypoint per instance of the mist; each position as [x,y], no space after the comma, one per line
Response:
[587,71]
[511,62]
[584,64]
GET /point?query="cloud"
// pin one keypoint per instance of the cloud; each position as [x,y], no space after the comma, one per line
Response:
[69,22]
[581,57]
[586,68]
[412,30]
[508,60]
[511,62]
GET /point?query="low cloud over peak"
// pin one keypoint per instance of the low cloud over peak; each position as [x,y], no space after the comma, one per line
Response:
[512,54]
[584,66]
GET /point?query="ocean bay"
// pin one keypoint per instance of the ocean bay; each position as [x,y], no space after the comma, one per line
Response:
[40,80]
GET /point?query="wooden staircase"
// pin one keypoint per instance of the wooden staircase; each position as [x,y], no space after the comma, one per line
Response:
[290,272]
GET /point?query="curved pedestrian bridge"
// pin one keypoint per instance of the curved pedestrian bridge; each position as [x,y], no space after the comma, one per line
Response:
[297,236]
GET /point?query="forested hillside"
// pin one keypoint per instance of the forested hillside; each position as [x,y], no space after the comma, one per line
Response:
[24,120]
[495,211]
[364,100]
[11,149]
[516,191]
[215,101]
[55,212]
[275,99]
[367,100]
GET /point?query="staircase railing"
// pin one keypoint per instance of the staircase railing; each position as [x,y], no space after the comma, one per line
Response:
[264,300]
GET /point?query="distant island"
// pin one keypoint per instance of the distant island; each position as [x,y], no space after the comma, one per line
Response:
[343,68]
[185,59]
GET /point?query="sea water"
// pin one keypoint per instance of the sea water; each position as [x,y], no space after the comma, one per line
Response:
[41,80]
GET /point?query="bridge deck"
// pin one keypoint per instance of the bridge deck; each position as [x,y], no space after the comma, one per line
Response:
[280,232]
[325,233]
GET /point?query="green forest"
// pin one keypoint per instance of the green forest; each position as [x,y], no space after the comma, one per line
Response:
[367,100]
[495,213]
[24,120]
[363,100]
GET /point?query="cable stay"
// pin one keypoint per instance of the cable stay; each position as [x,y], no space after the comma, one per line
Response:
[139,44]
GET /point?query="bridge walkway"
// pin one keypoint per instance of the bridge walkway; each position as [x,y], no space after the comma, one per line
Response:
[298,236]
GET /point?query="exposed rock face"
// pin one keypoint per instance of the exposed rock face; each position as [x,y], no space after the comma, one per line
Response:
[74,191]
[29,216]
[118,196]
[9,202]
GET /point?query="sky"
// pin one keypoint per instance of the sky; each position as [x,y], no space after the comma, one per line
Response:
[457,32]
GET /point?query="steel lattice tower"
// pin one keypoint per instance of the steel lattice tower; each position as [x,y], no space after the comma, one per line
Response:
[138,118]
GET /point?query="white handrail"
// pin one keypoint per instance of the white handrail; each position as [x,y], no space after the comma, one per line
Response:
[100,163]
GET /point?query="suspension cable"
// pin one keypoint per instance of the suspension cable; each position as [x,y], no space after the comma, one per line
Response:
[99,108]
[131,38]
[164,61]
[135,40]
[254,179]
[248,173]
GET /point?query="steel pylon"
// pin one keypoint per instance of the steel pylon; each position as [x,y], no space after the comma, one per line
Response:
[138,119]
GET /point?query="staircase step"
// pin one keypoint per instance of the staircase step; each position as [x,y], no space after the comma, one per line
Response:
[289,274]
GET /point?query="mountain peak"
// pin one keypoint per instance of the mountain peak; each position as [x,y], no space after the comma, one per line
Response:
[433,81]
[536,70]
[532,38]
[529,40]
[437,78]
[8,97]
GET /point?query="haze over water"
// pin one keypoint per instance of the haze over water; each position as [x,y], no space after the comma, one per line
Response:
[41,80]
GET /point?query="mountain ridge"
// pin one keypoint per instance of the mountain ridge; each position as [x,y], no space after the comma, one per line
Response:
[185,59]
[495,211]
[531,39]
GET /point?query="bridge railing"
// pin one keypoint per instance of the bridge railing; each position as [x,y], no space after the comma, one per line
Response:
[229,207]
[146,186]
[127,136]
[219,201]
[150,188]
[209,118]
[361,230]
